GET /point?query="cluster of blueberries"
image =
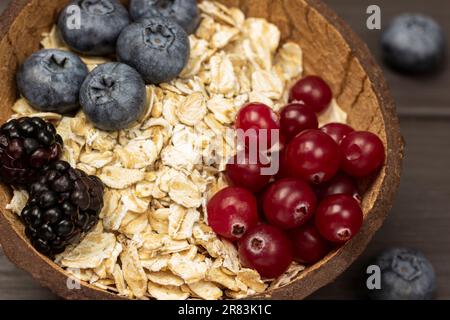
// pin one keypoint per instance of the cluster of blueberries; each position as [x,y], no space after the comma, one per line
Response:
[150,42]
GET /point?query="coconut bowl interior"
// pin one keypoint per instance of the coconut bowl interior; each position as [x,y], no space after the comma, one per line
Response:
[331,50]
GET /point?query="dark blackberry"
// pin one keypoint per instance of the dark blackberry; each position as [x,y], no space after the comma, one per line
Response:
[26,145]
[64,204]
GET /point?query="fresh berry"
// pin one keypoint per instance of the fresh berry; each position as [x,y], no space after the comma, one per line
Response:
[258,122]
[289,203]
[27,144]
[309,245]
[339,218]
[340,184]
[185,12]
[50,80]
[96,28]
[362,153]
[64,203]
[337,131]
[283,168]
[406,274]
[232,212]
[260,201]
[248,172]
[158,48]
[113,96]
[413,43]
[295,118]
[266,249]
[313,156]
[313,92]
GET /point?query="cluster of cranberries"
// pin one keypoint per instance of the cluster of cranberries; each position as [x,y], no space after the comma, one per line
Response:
[312,203]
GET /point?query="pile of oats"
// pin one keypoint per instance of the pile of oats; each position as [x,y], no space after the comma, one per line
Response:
[153,240]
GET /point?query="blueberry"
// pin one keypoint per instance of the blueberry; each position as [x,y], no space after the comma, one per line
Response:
[185,12]
[405,275]
[413,43]
[157,48]
[113,96]
[51,79]
[100,23]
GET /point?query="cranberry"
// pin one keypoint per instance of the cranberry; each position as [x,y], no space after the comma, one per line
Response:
[246,172]
[309,245]
[259,202]
[362,153]
[283,168]
[266,249]
[232,212]
[295,118]
[289,203]
[313,156]
[313,91]
[257,117]
[337,131]
[340,184]
[339,218]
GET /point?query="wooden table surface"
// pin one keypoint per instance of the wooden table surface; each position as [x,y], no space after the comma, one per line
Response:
[421,214]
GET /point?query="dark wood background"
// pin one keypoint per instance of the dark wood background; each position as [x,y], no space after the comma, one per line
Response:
[420,217]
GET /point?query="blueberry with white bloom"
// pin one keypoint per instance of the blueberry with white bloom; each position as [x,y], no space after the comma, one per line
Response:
[413,43]
[113,96]
[91,27]
[158,48]
[185,12]
[50,80]
[406,274]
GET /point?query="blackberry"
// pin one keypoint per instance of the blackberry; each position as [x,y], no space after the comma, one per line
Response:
[64,204]
[26,145]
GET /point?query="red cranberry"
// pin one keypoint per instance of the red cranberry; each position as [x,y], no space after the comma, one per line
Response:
[246,172]
[266,249]
[340,184]
[309,245]
[232,212]
[295,118]
[337,131]
[313,91]
[289,203]
[283,169]
[362,153]
[313,156]
[259,201]
[339,218]
[257,117]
